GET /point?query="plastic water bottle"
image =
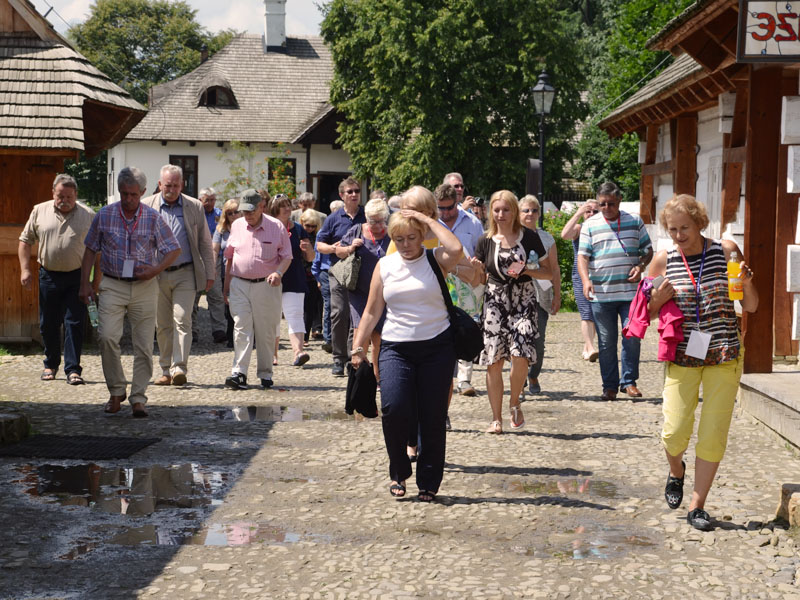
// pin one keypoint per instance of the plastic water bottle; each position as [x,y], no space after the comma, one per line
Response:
[735,291]
[533,261]
[92,308]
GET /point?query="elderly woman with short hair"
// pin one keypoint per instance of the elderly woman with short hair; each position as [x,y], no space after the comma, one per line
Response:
[369,241]
[417,350]
[710,354]
[230,212]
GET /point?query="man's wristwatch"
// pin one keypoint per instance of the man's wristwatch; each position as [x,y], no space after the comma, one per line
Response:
[356,350]
[279,272]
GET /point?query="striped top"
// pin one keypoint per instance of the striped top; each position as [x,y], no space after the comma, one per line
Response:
[717,313]
[613,249]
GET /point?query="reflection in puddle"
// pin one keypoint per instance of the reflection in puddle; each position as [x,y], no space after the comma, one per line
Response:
[581,486]
[594,543]
[137,491]
[240,533]
[274,414]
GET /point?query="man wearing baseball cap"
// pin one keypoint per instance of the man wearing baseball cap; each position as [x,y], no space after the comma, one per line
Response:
[258,254]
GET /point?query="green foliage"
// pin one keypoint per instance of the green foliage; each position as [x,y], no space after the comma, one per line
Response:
[140,43]
[90,173]
[554,222]
[432,86]
[620,65]
[239,156]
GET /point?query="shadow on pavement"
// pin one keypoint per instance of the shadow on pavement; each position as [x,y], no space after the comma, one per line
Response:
[481,469]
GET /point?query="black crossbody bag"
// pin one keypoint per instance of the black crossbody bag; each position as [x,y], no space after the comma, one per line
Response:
[467,334]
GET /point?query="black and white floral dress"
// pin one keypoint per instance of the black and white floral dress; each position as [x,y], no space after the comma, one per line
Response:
[510,311]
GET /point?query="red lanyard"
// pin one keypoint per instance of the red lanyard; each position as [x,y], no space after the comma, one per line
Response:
[125,224]
[374,243]
[696,284]
[617,232]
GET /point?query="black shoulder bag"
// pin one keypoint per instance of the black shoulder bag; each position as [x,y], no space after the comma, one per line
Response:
[467,334]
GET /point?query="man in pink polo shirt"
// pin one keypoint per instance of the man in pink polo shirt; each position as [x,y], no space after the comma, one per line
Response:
[258,254]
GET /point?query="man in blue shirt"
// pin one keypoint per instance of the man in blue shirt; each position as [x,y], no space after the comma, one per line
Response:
[216,304]
[336,225]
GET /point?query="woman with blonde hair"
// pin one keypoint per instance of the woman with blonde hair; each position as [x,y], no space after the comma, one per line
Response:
[509,306]
[230,212]
[311,222]
[417,354]
[548,293]
[695,271]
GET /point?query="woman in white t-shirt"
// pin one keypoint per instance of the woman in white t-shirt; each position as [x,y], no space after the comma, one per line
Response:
[417,355]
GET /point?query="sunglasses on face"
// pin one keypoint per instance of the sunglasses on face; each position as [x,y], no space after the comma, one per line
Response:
[352,191]
[529,210]
[591,212]
[450,207]
[459,186]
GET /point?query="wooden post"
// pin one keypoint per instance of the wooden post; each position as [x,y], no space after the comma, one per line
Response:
[684,176]
[761,181]
[732,178]
[647,204]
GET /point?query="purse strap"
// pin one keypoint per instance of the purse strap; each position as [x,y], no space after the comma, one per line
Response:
[448,301]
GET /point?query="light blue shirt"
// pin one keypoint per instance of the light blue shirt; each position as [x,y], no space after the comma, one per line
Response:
[467,229]
[173,215]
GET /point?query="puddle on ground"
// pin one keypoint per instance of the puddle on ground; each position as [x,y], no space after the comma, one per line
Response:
[275,413]
[137,491]
[581,486]
[240,533]
[595,542]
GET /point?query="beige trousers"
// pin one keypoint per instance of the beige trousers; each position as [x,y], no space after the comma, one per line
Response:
[176,293]
[256,309]
[138,300]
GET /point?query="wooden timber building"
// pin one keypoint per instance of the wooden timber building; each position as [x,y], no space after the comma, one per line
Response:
[53,105]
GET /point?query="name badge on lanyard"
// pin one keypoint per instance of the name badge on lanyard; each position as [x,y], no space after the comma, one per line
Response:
[697,347]
[128,263]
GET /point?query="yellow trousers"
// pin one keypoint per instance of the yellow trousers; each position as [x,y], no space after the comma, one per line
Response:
[681,391]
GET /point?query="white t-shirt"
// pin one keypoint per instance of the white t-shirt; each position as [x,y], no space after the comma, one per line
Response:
[415,309]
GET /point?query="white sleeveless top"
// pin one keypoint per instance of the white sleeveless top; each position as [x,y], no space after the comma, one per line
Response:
[415,309]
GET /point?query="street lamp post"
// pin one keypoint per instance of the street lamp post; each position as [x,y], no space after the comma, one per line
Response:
[543,96]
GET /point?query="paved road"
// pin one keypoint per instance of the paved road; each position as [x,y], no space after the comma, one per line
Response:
[294,503]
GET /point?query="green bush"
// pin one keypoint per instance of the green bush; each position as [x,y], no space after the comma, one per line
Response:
[554,222]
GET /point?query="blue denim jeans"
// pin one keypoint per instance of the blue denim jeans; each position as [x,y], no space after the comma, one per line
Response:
[325,290]
[609,318]
[416,375]
[59,304]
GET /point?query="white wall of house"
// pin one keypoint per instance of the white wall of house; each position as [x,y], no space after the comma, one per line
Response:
[151,156]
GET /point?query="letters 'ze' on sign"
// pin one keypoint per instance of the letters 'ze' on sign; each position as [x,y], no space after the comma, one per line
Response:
[768,31]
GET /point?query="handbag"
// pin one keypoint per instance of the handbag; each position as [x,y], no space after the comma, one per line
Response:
[467,334]
[346,271]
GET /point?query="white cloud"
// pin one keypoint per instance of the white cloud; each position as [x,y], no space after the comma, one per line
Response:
[302,16]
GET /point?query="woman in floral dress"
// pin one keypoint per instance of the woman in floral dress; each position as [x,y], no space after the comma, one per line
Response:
[510,308]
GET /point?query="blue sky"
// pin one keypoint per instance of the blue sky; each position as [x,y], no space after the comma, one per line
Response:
[302,16]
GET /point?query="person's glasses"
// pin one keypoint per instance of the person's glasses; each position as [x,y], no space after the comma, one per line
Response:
[234,212]
[376,221]
[589,211]
[446,208]
[459,186]
[607,204]
[529,210]
[356,191]
[309,227]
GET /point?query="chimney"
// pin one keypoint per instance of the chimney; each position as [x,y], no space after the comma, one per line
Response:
[275,25]
[203,53]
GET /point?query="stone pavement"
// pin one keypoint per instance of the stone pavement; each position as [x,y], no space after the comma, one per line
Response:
[290,499]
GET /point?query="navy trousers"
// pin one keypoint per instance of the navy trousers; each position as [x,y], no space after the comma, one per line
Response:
[416,375]
[59,304]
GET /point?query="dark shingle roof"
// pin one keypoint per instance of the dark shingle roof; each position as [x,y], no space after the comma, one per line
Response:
[43,87]
[681,69]
[279,95]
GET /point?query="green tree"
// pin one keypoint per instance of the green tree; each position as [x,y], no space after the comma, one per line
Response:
[620,65]
[272,173]
[432,86]
[140,43]
[90,173]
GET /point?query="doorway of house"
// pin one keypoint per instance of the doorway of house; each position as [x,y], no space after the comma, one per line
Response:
[328,189]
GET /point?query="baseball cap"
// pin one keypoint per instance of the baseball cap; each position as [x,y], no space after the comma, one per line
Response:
[250,198]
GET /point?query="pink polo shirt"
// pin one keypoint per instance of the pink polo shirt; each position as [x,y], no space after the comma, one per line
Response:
[257,251]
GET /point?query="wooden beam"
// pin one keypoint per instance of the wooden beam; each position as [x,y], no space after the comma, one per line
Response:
[662,168]
[684,175]
[704,49]
[734,155]
[647,204]
[761,181]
